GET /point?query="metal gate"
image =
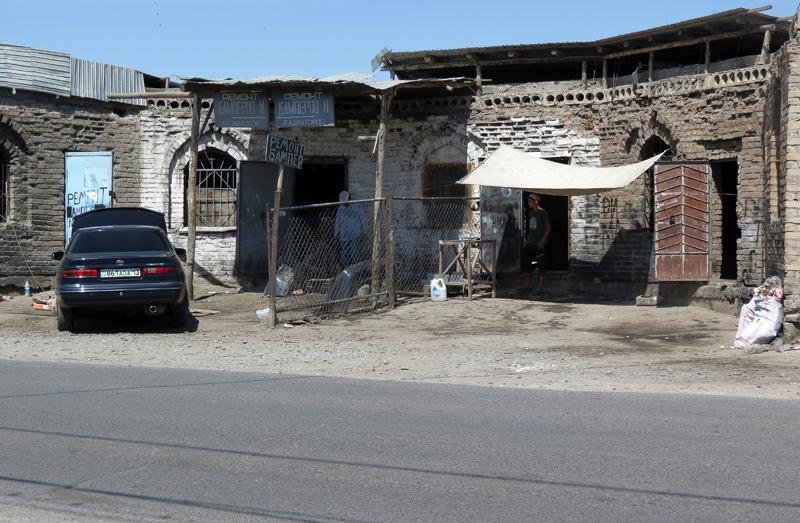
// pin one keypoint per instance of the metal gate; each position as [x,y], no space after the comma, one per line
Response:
[257,182]
[682,221]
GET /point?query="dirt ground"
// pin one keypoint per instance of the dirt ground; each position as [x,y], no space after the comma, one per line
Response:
[546,343]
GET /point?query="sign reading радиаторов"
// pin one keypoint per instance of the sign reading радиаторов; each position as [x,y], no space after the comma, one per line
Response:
[304,109]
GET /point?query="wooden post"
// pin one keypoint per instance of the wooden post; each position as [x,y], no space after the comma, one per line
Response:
[478,78]
[650,64]
[191,189]
[273,252]
[584,75]
[494,268]
[386,100]
[468,255]
[707,68]
[605,73]
[389,226]
[765,47]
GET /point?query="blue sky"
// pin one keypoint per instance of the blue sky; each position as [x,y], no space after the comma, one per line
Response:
[249,38]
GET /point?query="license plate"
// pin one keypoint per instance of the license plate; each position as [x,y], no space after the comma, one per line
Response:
[120,273]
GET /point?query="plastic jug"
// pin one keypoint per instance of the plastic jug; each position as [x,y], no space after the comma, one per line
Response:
[438,290]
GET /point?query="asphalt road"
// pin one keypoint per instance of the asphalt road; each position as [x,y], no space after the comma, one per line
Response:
[82,442]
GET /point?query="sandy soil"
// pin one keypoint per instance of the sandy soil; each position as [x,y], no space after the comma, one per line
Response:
[550,343]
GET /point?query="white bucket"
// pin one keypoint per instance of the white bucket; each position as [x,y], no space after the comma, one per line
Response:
[438,290]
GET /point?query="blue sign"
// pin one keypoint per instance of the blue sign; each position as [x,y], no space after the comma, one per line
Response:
[306,109]
[87,185]
[241,110]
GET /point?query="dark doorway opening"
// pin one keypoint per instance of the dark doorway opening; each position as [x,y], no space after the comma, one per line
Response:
[320,181]
[726,183]
[557,249]
[653,146]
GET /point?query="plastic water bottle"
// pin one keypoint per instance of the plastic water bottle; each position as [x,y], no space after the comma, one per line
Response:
[438,290]
[27,288]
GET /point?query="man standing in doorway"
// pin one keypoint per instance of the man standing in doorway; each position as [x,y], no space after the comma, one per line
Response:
[533,253]
[350,227]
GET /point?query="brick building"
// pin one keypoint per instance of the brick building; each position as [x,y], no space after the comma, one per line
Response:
[720,90]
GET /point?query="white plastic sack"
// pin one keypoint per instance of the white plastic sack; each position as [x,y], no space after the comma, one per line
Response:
[760,321]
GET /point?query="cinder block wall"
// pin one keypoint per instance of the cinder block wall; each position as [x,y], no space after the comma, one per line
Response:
[35,131]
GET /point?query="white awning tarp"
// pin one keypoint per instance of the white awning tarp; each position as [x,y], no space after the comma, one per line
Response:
[509,167]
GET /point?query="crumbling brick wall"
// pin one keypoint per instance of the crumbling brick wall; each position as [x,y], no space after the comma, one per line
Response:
[701,117]
[35,131]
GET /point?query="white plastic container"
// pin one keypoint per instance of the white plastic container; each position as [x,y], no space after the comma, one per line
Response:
[438,290]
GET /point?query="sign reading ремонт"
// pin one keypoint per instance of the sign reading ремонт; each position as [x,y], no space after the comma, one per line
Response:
[283,151]
[304,109]
[241,110]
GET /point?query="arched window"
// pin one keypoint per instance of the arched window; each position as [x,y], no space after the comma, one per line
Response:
[217,179]
[653,146]
[5,188]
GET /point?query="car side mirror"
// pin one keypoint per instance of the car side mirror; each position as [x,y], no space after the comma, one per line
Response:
[181,253]
[57,255]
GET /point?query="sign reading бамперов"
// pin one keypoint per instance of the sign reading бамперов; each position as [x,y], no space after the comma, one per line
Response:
[241,110]
[283,151]
[306,109]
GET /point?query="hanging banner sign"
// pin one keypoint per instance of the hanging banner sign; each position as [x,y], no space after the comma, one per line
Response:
[241,110]
[87,185]
[305,109]
[286,152]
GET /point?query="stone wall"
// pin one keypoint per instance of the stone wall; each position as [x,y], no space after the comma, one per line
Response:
[702,117]
[35,131]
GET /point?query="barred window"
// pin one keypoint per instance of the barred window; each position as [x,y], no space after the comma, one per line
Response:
[440,181]
[217,179]
[5,188]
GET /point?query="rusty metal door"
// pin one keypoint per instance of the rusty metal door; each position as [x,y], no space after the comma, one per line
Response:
[682,221]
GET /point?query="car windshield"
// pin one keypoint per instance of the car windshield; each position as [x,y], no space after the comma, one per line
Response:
[117,240]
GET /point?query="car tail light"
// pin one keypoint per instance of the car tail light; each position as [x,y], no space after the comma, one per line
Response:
[169,269]
[80,273]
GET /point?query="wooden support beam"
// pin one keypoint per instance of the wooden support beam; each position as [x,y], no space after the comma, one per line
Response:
[478,78]
[386,100]
[191,189]
[273,250]
[584,75]
[685,43]
[765,47]
[155,94]
[605,73]
[489,62]
[707,66]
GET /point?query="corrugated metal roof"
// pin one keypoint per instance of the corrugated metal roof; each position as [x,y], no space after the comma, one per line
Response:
[96,80]
[34,69]
[364,80]
[57,73]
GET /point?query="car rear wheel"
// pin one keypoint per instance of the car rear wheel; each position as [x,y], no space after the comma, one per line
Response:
[63,318]
[179,313]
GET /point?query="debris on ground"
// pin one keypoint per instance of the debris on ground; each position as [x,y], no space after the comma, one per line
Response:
[762,317]
[44,305]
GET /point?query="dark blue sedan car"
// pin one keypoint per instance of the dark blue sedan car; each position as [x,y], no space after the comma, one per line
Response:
[120,259]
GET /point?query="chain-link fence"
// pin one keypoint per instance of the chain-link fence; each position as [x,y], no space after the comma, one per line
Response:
[420,225]
[325,259]
[333,259]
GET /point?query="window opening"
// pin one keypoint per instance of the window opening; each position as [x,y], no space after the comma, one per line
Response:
[439,181]
[217,179]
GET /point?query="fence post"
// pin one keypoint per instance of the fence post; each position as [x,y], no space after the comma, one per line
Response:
[389,225]
[273,261]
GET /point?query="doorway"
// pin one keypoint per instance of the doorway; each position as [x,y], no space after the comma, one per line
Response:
[725,221]
[320,181]
[557,250]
